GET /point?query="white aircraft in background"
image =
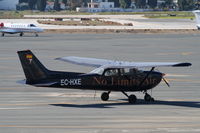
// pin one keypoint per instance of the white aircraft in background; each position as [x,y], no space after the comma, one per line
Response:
[14,28]
[197,16]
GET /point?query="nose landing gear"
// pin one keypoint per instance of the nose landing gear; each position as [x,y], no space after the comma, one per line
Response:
[148,98]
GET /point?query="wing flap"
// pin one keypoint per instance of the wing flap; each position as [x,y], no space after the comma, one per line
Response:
[93,62]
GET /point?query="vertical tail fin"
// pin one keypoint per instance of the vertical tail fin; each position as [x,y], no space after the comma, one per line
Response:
[33,68]
[1,25]
[197,16]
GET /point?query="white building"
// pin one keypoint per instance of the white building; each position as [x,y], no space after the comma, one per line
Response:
[8,4]
[100,4]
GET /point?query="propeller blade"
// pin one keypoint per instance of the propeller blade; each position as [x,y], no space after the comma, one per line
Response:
[165,80]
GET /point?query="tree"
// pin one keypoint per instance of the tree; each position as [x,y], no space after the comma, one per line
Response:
[23,1]
[125,3]
[197,5]
[122,3]
[152,3]
[168,3]
[41,5]
[31,4]
[128,3]
[186,5]
[74,3]
[140,3]
[65,2]
[116,2]
[56,5]
[85,3]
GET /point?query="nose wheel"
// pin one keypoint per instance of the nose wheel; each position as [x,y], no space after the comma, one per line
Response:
[132,98]
[148,98]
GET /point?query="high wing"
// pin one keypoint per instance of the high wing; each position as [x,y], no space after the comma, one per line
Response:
[103,63]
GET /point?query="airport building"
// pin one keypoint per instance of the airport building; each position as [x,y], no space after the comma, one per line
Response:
[8,4]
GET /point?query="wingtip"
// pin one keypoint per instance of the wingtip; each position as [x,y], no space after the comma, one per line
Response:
[57,58]
[186,64]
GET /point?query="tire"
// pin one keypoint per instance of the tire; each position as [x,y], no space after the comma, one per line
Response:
[152,99]
[21,34]
[132,99]
[147,98]
[104,96]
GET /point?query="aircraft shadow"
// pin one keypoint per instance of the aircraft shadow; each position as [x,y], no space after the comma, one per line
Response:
[25,36]
[190,104]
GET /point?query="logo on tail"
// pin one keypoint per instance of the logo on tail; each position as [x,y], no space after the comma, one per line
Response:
[29,57]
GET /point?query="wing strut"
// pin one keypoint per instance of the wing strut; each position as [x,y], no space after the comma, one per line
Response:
[141,83]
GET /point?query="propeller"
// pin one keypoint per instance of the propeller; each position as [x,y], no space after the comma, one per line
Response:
[166,81]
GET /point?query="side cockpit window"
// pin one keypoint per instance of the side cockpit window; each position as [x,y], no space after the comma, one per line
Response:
[111,72]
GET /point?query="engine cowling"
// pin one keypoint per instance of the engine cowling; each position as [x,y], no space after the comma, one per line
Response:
[1,25]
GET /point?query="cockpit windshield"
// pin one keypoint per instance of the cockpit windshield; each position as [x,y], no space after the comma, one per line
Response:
[32,25]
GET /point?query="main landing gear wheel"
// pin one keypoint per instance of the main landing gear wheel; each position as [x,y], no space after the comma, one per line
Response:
[105,96]
[148,98]
[21,34]
[36,35]
[132,99]
[2,34]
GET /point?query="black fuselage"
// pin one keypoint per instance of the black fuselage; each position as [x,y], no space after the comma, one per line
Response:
[100,82]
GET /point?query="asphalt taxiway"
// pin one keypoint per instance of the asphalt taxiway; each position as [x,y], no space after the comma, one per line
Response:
[36,110]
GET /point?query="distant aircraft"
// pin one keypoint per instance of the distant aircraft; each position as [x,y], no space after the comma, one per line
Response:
[108,76]
[14,28]
[197,16]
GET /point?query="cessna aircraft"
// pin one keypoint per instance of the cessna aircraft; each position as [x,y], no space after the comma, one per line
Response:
[197,16]
[14,28]
[108,76]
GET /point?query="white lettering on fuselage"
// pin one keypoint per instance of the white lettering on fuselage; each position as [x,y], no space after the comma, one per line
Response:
[65,82]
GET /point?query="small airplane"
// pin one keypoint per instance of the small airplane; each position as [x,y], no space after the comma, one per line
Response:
[108,76]
[197,16]
[14,28]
